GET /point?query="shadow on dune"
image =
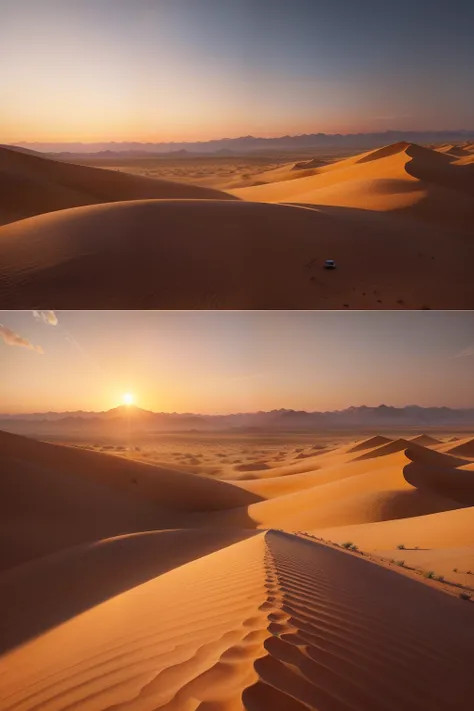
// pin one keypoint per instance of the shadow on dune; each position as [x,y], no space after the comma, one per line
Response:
[390,448]
[434,167]
[376,441]
[221,254]
[179,490]
[47,592]
[441,477]
[338,640]
[466,449]
[33,184]
[252,467]
[53,497]
[420,501]
[428,456]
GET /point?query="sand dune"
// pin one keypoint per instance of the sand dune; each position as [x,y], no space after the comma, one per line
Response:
[67,496]
[398,445]
[370,443]
[402,177]
[445,529]
[46,592]
[440,542]
[426,440]
[31,184]
[223,254]
[455,150]
[452,480]
[273,622]
[464,449]
[363,491]
[103,610]
[176,252]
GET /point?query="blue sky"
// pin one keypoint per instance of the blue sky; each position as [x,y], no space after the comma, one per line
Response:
[97,70]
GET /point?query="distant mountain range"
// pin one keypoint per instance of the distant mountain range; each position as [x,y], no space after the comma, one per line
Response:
[246,144]
[138,420]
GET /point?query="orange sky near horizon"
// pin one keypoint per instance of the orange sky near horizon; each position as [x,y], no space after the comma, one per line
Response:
[227,362]
[162,70]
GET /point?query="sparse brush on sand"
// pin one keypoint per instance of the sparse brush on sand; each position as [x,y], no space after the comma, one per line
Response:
[396,220]
[133,586]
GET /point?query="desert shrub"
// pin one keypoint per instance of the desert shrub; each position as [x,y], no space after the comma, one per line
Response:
[347,544]
[353,547]
[429,574]
[455,570]
[401,547]
[465,595]
[401,563]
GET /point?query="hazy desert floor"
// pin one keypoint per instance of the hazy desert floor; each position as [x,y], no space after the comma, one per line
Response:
[241,232]
[222,172]
[237,572]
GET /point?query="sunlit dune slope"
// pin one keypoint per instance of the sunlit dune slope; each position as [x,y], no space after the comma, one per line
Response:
[224,254]
[441,541]
[314,470]
[274,622]
[455,150]
[192,633]
[373,487]
[465,160]
[43,593]
[31,184]
[52,497]
[445,529]
[406,177]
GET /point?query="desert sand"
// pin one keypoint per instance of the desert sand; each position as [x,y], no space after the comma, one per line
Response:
[31,184]
[398,222]
[330,575]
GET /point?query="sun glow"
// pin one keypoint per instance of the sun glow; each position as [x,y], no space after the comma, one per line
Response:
[127,399]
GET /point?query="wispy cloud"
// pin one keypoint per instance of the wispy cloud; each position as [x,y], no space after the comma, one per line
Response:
[465,353]
[13,339]
[48,317]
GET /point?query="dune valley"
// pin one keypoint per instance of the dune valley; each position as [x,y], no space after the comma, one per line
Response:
[237,572]
[397,221]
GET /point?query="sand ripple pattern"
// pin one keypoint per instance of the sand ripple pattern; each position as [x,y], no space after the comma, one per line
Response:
[341,640]
[274,623]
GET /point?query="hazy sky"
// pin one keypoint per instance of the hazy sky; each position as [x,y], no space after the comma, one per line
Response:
[218,362]
[95,70]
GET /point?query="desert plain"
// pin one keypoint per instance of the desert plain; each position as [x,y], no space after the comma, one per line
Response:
[231,232]
[227,572]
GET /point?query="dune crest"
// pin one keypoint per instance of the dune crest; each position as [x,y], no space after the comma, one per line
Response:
[465,449]
[182,246]
[33,184]
[403,177]
[274,622]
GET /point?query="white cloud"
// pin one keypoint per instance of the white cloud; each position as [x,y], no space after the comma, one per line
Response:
[48,317]
[13,339]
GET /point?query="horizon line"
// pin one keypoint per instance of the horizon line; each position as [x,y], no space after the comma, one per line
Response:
[246,136]
[230,414]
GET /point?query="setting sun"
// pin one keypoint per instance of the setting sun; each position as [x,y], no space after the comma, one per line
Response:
[127,399]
